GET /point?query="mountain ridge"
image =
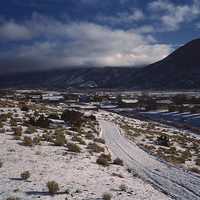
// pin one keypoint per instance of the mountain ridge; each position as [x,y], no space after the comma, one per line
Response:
[179,70]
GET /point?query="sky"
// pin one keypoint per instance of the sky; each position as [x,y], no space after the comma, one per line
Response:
[48,34]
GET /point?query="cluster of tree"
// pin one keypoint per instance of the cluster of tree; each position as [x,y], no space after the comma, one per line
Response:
[100,98]
[184,108]
[41,121]
[24,108]
[71,97]
[75,118]
[91,118]
[147,102]
[53,116]
[181,99]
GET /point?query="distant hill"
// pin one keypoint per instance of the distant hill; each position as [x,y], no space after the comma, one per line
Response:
[93,77]
[180,70]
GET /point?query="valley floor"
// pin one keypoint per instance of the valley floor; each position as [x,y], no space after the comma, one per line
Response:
[78,175]
[174,181]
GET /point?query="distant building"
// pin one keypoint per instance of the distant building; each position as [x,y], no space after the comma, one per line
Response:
[52,98]
[108,105]
[55,123]
[34,97]
[164,101]
[129,103]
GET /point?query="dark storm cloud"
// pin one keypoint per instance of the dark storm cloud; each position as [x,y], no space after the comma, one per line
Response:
[89,32]
[57,44]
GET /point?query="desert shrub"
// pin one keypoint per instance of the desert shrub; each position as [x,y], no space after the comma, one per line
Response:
[36,140]
[78,139]
[172,108]
[197,161]
[123,187]
[59,131]
[37,153]
[1,163]
[9,115]
[13,122]
[45,130]
[53,187]
[117,175]
[81,141]
[67,191]
[73,147]
[172,150]
[36,113]
[118,161]
[24,108]
[28,141]
[47,137]
[107,196]
[3,117]
[195,170]
[25,175]
[2,130]
[89,136]
[13,198]
[163,140]
[175,159]
[106,156]
[95,148]
[75,129]
[101,160]
[18,119]
[187,154]
[30,130]
[31,121]
[18,131]
[99,140]
[73,117]
[16,137]
[90,118]
[53,116]
[42,121]
[1,124]
[78,191]
[60,140]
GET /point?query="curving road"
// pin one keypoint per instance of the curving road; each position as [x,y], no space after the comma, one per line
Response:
[175,182]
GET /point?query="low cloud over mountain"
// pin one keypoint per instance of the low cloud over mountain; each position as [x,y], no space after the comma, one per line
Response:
[53,34]
[43,42]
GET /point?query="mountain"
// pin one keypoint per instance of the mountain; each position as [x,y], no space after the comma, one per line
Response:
[179,70]
[94,77]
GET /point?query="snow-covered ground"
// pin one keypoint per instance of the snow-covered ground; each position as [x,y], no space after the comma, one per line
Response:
[78,174]
[174,181]
[183,149]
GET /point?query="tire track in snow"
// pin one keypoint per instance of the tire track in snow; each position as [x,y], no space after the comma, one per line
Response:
[171,180]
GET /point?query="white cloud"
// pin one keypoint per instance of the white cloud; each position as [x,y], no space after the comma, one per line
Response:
[172,15]
[198,25]
[82,44]
[123,17]
[145,29]
[13,31]
[136,15]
